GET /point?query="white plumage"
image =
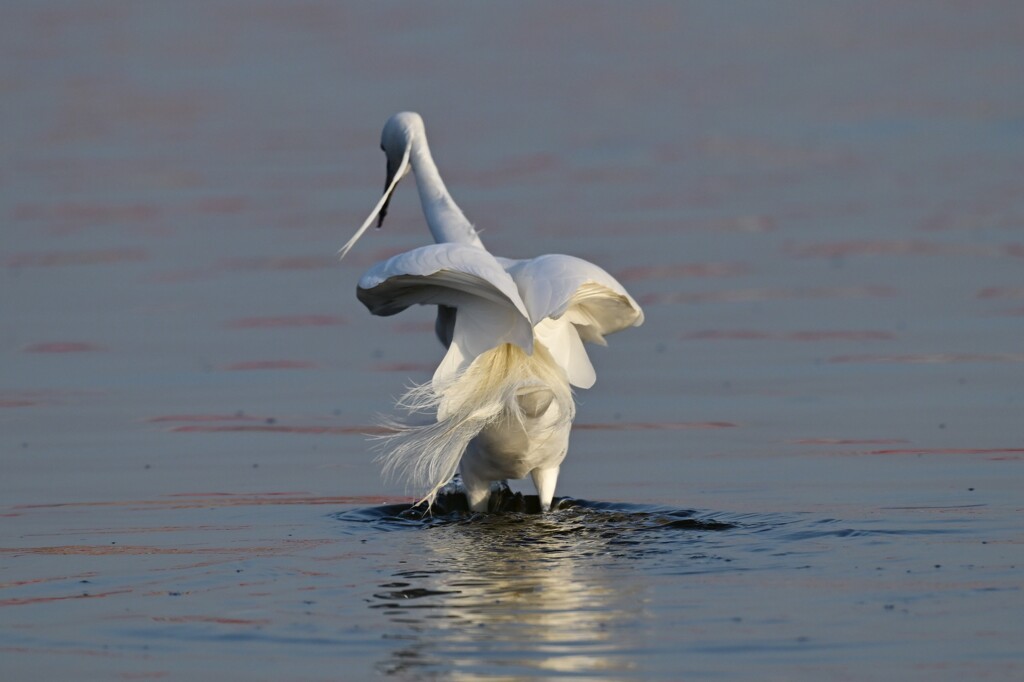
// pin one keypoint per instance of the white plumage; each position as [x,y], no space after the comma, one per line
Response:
[514,330]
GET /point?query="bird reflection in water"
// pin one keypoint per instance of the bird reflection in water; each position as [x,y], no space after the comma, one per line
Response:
[527,593]
[512,592]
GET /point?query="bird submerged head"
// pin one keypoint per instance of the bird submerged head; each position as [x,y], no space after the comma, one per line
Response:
[396,141]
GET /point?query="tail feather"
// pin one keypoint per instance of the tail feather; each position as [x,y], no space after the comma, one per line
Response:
[427,456]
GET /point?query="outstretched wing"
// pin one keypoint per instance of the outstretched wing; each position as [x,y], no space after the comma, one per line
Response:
[570,300]
[490,309]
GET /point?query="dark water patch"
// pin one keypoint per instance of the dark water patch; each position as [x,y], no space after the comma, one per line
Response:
[864,533]
[945,506]
[212,635]
[412,593]
[568,516]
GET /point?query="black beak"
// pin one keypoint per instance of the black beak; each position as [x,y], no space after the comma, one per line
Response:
[395,173]
[392,169]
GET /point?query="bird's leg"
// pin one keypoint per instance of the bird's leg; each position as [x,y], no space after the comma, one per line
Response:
[544,480]
[478,491]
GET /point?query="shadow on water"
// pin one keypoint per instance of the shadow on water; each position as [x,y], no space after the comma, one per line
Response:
[506,506]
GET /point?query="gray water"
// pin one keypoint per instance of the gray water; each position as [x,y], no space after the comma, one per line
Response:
[807,464]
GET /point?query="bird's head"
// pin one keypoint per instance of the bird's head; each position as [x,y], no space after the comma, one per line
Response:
[396,141]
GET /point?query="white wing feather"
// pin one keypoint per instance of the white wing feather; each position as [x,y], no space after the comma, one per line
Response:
[555,284]
[468,278]
[557,300]
[571,300]
[429,274]
[563,343]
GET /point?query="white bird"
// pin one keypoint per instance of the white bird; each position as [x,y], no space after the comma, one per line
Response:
[514,330]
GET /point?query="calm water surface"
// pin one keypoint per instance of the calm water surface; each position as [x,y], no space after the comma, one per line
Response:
[807,464]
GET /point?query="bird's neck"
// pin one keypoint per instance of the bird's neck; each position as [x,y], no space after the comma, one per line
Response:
[445,219]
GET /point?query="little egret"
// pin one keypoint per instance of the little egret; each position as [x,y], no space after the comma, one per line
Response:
[514,330]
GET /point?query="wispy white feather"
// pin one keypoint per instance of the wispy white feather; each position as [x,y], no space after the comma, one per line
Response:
[427,456]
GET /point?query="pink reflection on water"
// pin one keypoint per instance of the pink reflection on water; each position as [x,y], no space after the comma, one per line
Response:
[1014,250]
[223,205]
[44,259]
[206,418]
[220,620]
[29,398]
[403,367]
[949,451]
[929,358]
[1001,292]
[73,174]
[21,601]
[849,441]
[16,403]
[86,214]
[63,347]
